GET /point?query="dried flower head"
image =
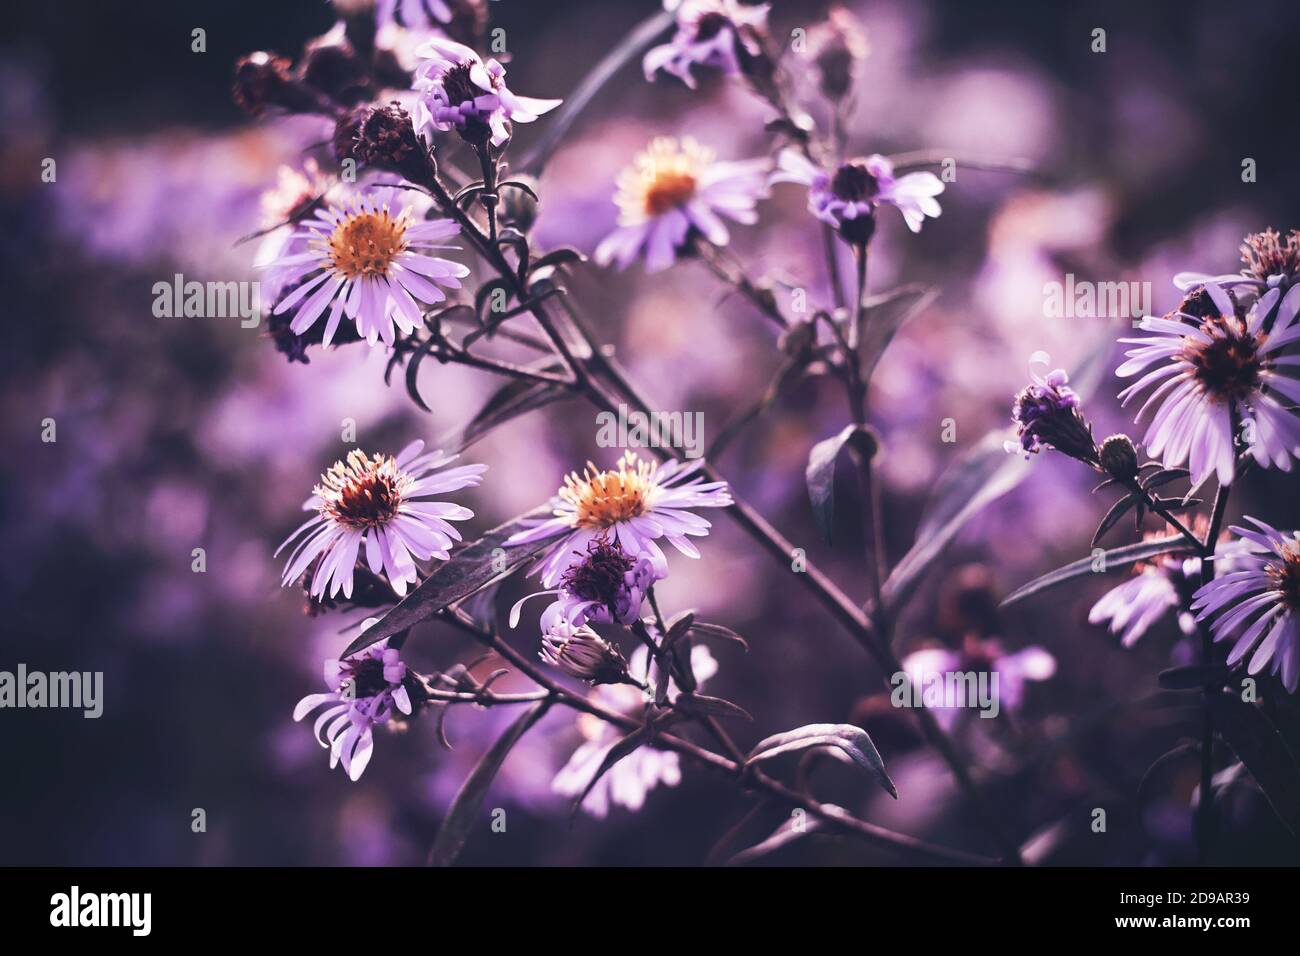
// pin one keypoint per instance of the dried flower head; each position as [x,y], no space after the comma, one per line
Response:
[1047,414]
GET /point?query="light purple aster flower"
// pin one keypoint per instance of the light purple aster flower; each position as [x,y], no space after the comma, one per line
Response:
[1272,261]
[632,505]
[604,584]
[720,34]
[847,196]
[379,502]
[673,191]
[628,781]
[1217,370]
[364,691]
[371,265]
[462,92]
[1266,593]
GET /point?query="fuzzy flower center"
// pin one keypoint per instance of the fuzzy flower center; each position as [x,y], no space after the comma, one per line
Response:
[367,244]
[363,492]
[1268,253]
[853,182]
[601,499]
[600,576]
[1286,576]
[368,678]
[1228,366]
[664,177]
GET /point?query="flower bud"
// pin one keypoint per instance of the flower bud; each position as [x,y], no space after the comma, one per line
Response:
[1047,414]
[1119,458]
[582,653]
[837,46]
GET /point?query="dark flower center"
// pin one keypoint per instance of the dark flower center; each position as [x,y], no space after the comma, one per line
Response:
[368,678]
[459,87]
[1229,365]
[599,577]
[710,25]
[1286,576]
[852,182]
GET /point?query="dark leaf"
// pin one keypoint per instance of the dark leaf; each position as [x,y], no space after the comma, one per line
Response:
[699,705]
[558,257]
[679,625]
[1193,677]
[1163,477]
[413,371]
[616,753]
[794,828]
[820,473]
[464,809]
[1117,511]
[885,315]
[521,186]
[490,293]
[853,741]
[980,476]
[469,569]
[1114,558]
[717,630]
[516,397]
[1257,744]
[1149,777]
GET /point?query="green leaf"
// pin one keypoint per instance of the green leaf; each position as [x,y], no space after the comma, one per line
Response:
[1114,558]
[464,809]
[980,476]
[855,743]
[469,569]
[820,473]
[1258,744]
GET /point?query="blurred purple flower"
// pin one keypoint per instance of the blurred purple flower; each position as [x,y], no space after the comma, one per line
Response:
[364,691]
[631,505]
[847,196]
[673,190]
[375,500]
[1218,369]
[460,91]
[978,655]
[1268,585]
[720,34]
[628,781]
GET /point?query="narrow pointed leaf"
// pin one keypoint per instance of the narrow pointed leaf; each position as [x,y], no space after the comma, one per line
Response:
[1114,558]
[1117,511]
[468,802]
[820,474]
[469,569]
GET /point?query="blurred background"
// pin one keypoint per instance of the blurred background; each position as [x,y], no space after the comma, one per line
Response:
[183,433]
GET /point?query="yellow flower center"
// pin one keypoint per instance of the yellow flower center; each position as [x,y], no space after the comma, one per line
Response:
[604,498]
[367,243]
[362,492]
[662,178]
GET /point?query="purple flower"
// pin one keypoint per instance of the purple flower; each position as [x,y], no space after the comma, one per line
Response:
[847,196]
[605,585]
[631,505]
[414,14]
[1266,592]
[978,655]
[671,192]
[1216,370]
[364,691]
[720,34]
[371,264]
[628,781]
[377,501]
[1272,261]
[459,91]
[1047,414]
[1157,587]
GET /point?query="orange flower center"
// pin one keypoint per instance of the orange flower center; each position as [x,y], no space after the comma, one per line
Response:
[604,498]
[362,492]
[367,243]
